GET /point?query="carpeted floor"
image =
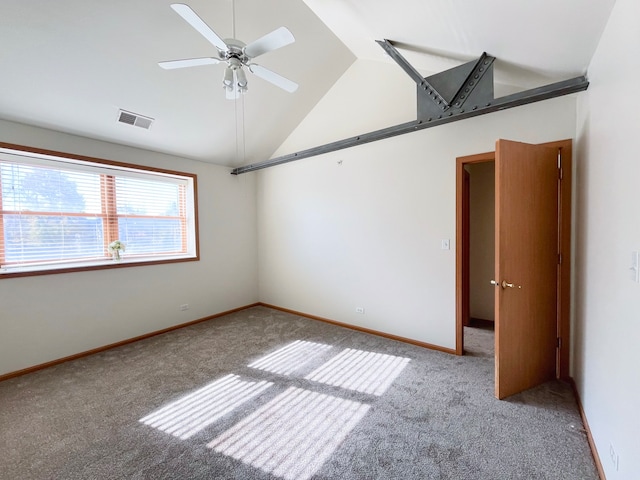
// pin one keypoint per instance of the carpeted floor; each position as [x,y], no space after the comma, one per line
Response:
[262,394]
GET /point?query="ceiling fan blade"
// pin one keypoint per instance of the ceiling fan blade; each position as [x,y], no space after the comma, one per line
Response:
[196,22]
[277,80]
[189,62]
[271,41]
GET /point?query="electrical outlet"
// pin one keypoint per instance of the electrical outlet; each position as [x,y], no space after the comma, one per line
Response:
[184,306]
[360,310]
[614,456]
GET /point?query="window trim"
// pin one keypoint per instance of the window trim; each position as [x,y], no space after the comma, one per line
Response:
[84,266]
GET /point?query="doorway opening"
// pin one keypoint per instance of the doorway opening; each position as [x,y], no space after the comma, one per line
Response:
[479,221]
[476,239]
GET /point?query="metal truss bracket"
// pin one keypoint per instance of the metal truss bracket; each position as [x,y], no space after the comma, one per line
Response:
[456,94]
[476,79]
[466,86]
[424,86]
[470,83]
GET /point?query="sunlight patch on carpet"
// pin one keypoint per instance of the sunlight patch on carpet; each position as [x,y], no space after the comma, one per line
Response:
[190,414]
[290,358]
[292,435]
[366,372]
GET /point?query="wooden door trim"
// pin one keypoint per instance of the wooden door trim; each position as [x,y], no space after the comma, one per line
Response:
[564,278]
[563,367]
[460,250]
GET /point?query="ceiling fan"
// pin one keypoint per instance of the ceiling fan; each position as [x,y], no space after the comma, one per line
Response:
[235,54]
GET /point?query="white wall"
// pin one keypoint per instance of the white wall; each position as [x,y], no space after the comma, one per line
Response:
[482,228]
[367,232]
[47,317]
[354,106]
[607,301]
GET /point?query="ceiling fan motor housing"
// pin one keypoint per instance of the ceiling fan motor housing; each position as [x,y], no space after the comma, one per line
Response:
[235,50]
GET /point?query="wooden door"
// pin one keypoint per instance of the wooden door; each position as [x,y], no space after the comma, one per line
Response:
[526,265]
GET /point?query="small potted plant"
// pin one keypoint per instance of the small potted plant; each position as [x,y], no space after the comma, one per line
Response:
[115,248]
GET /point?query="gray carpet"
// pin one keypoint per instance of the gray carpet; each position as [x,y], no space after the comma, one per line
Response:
[261,394]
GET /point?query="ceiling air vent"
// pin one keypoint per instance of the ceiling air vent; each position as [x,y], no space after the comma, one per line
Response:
[134,119]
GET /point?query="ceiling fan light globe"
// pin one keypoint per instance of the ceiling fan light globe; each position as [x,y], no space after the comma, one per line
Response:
[232,93]
[228,77]
[242,78]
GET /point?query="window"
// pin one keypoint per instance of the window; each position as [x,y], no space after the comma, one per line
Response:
[60,212]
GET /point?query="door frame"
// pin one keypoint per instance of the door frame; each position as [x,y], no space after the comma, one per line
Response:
[465,246]
[563,352]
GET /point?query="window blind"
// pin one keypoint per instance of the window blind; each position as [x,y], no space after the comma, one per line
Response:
[59,212]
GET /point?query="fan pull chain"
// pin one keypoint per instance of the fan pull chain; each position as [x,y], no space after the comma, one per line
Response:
[244,142]
[241,148]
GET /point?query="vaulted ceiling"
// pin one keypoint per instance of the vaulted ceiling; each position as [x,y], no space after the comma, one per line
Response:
[71,65]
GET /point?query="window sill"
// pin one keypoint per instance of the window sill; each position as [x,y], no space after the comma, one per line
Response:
[84,266]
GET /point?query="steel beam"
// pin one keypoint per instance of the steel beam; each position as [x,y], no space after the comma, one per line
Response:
[423,83]
[466,92]
[566,87]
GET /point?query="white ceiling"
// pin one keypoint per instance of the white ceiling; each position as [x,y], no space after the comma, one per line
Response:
[535,42]
[69,65]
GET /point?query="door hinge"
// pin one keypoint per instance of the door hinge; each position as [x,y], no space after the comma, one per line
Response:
[559,342]
[559,259]
[560,163]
